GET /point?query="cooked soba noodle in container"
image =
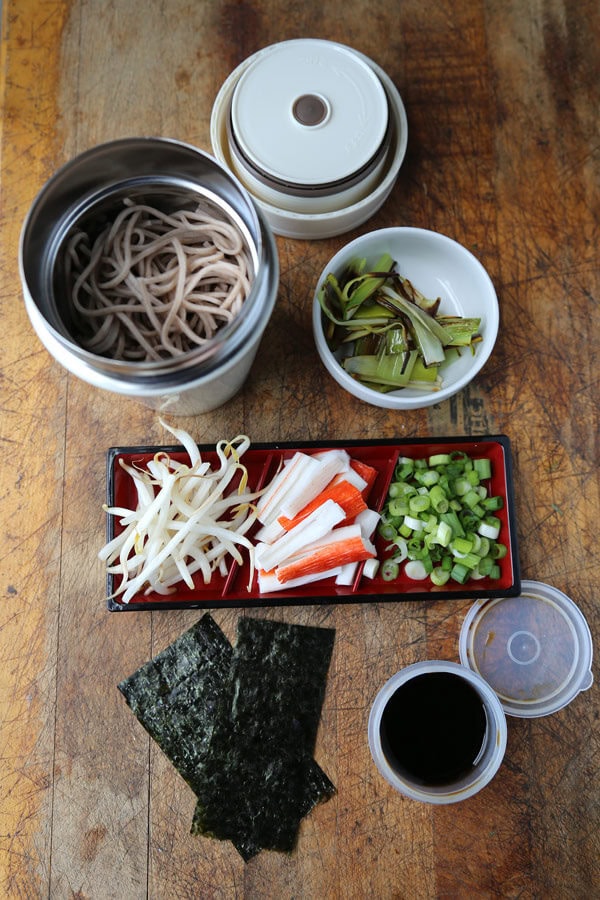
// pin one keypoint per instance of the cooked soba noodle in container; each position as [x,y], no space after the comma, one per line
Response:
[148,271]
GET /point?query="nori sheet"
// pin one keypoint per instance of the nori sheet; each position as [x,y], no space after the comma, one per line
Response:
[175,695]
[260,776]
[240,725]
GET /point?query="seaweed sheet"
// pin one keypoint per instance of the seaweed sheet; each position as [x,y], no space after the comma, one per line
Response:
[229,720]
[260,776]
[176,693]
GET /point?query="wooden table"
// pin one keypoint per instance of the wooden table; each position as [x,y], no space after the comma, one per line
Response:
[502,101]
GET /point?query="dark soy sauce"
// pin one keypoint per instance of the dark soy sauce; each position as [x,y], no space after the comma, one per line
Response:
[433,728]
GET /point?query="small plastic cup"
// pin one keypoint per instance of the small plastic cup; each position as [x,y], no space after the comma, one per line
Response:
[437,732]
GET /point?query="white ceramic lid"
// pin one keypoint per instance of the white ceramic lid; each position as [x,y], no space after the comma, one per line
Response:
[309,112]
[534,650]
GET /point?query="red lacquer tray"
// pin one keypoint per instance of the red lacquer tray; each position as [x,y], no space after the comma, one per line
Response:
[262,462]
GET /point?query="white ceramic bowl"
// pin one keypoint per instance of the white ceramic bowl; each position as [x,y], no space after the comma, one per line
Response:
[439,267]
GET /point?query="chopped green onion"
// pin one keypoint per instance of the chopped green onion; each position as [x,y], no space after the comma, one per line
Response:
[453,521]
[485,565]
[490,528]
[483,467]
[492,504]
[476,540]
[461,545]
[387,531]
[461,486]
[439,459]
[420,503]
[413,523]
[471,499]
[439,576]
[401,551]
[399,508]
[404,468]
[389,570]
[438,518]
[459,573]
[428,478]
[416,570]
[438,498]
[470,560]
[443,534]
[484,546]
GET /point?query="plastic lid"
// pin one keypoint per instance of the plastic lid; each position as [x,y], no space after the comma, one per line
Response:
[309,112]
[534,650]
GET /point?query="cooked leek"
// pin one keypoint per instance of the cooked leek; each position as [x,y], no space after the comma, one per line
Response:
[389,335]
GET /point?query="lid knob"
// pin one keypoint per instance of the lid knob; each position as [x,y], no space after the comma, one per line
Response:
[523,648]
[308,114]
[310,109]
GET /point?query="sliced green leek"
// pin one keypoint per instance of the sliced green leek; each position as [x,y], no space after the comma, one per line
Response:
[389,335]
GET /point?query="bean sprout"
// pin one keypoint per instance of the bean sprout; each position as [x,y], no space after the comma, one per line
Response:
[186,521]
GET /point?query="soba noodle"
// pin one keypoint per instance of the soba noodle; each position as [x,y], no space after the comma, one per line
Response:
[154,286]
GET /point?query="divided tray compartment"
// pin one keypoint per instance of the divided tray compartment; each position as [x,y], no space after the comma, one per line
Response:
[262,461]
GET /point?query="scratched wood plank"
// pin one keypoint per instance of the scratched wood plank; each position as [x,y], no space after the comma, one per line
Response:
[100,807]
[548,222]
[33,414]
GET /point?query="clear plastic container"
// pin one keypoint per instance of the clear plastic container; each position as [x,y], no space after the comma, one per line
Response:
[535,650]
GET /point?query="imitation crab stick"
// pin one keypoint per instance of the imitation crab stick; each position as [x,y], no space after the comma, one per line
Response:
[268,581]
[366,472]
[341,492]
[298,482]
[310,484]
[315,526]
[341,533]
[269,505]
[347,470]
[336,553]
[367,521]
[316,522]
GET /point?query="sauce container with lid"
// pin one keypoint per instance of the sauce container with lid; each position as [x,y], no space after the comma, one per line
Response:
[315,131]
[528,656]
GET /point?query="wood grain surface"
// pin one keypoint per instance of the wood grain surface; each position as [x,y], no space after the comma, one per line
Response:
[503,100]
